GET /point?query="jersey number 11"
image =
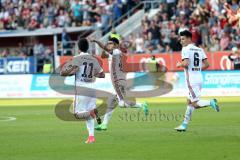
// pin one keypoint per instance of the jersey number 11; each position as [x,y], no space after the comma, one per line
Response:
[86,65]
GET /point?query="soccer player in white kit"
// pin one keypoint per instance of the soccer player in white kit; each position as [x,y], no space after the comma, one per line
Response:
[86,68]
[194,60]
[114,51]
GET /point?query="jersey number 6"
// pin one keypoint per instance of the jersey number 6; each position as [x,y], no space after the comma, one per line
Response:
[196,59]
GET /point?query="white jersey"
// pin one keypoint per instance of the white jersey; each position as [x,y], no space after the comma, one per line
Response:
[115,67]
[88,67]
[195,55]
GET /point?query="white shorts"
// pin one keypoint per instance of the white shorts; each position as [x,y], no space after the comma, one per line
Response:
[83,104]
[194,92]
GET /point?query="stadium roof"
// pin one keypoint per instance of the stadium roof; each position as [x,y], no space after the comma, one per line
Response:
[42,32]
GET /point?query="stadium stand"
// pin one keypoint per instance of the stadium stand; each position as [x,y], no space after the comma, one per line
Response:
[210,21]
[33,14]
[207,20]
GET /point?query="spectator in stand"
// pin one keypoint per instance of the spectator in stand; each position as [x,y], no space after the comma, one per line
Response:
[235,5]
[66,43]
[168,48]
[154,30]
[165,32]
[235,58]
[233,13]
[63,19]
[174,42]
[225,41]
[33,24]
[5,53]
[205,32]
[117,10]
[132,40]
[171,6]
[11,23]
[50,13]
[196,37]
[216,29]
[86,7]
[49,54]
[214,44]
[22,50]
[139,42]
[39,52]
[77,12]
[105,18]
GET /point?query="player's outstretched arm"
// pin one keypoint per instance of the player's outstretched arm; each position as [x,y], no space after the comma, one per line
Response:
[100,75]
[231,57]
[205,64]
[68,70]
[101,45]
[104,54]
[183,64]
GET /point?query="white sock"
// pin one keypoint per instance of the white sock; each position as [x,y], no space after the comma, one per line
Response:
[188,114]
[133,105]
[203,103]
[121,103]
[90,126]
[83,115]
[137,105]
[107,117]
[110,109]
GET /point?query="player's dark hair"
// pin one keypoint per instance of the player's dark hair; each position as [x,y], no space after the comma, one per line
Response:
[186,33]
[83,44]
[114,40]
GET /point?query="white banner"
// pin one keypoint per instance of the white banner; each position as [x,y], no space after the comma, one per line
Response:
[215,83]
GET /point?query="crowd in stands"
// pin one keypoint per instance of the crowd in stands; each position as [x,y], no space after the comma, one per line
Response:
[208,20]
[34,14]
[215,24]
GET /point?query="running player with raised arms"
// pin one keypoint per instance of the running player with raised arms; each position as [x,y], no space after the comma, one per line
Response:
[194,60]
[86,68]
[113,50]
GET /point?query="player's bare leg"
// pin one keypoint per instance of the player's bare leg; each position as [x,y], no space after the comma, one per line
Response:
[124,101]
[187,117]
[196,105]
[129,104]
[205,103]
[90,128]
[89,114]
[112,101]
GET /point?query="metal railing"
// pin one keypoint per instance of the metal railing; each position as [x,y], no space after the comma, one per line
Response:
[69,50]
[146,5]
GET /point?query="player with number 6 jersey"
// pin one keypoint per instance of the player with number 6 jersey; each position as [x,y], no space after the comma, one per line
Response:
[194,60]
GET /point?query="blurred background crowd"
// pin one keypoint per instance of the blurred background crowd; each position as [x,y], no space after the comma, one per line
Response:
[208,20]
[33,14]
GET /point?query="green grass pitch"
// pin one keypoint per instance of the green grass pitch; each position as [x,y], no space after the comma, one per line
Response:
[38,134]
